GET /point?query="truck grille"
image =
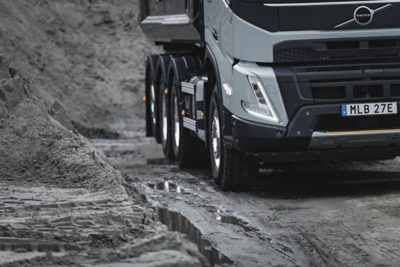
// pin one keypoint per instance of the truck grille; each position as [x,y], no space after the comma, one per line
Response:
[355,91]
[329,123]
[306,85]
[326,51]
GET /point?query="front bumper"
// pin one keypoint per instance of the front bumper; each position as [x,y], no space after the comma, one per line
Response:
[299,141]
[327,155]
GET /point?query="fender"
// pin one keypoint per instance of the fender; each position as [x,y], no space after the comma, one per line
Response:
[209,56]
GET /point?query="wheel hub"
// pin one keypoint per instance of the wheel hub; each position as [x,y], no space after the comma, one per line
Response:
[153,103]
[216,141]
[176,122]
[164,118]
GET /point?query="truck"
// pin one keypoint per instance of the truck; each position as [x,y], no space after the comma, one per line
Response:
[243,84]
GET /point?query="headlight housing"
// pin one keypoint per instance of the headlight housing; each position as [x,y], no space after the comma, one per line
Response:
[263,109]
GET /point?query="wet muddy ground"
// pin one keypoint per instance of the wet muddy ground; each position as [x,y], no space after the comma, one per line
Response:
[339,214]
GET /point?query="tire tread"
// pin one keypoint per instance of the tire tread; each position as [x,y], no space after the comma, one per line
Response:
[238,171]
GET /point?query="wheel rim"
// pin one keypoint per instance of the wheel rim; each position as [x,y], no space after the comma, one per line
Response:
[216,141]
[164,118]
[176,123]
[153,103]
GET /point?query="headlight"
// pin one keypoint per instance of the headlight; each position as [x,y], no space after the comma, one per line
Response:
[263,109]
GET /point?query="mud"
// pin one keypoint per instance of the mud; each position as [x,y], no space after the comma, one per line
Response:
[177,222]
[44,226]
[338,214]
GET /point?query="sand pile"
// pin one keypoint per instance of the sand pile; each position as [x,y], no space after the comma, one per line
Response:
[39,144]
[62,203]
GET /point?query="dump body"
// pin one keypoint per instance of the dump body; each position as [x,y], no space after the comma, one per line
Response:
[171,21]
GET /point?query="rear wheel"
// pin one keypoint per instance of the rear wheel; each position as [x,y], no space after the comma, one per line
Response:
[189,151]
[152,121]
[231,170]
[165,122]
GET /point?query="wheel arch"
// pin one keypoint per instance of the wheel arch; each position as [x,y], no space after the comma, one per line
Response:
[211,69]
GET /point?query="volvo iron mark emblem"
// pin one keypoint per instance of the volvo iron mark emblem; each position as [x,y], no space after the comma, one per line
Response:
[363,15]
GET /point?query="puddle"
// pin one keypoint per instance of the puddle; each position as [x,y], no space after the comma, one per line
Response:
[167,187]
[177,222]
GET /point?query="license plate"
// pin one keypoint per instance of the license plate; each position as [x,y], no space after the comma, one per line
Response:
[368,109]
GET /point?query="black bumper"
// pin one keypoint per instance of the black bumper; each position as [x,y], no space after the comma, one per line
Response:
[328,155]
[280,144]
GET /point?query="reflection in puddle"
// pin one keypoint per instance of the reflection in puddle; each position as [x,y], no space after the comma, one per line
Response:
[177,222]
[167,187]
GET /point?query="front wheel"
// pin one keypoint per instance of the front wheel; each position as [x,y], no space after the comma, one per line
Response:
[231,170]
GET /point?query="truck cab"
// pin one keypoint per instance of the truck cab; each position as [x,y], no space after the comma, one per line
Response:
[244,83]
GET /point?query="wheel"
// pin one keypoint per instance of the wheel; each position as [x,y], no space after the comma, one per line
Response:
[165,120]
[231,170]
[152,122]
[189,151]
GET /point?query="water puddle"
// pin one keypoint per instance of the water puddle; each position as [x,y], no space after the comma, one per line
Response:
[167,186]
[177,222]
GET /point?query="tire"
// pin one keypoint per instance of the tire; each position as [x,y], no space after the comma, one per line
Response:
[165,118]
[152,119]
[189,151]
[231,170]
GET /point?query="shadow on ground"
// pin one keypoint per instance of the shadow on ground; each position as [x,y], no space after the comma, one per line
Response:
[320,180]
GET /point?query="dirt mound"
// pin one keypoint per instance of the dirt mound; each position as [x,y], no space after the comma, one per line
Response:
[87,54]
[63,204]
[40,145]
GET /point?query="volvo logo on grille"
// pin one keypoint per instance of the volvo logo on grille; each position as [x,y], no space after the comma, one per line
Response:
[363,15]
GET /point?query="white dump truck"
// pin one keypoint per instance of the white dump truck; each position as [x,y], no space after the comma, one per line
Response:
[244,83]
